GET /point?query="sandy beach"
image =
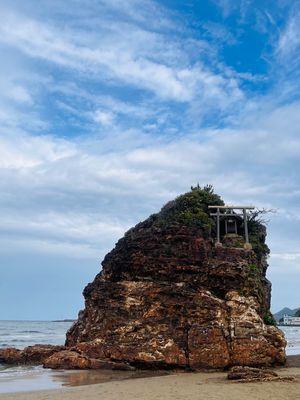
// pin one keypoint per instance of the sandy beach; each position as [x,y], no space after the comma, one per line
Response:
[188,386]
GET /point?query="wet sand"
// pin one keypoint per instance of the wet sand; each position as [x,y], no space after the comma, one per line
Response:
[187,386]
[28,379]
[293,361]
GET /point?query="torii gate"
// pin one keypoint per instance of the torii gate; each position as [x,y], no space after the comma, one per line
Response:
[230,214]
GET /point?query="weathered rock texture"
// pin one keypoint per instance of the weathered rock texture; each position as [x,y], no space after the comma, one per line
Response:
[248,374]
[73,359]
[166,297]
[31,354]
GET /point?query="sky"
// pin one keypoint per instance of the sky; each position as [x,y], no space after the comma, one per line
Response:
[110,108]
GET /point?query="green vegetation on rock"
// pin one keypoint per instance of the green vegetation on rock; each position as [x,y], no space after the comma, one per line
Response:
[253,267]
[191,209]
[257,235]
[259,246]
[270,320]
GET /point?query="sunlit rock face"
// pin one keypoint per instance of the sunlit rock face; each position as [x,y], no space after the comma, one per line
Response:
[167,297]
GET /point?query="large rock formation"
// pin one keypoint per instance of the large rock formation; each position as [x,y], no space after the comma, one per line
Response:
[167,297]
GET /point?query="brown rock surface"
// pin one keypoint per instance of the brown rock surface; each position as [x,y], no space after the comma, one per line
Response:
[31,354]
[10,355]
[247,374]
[167,297]
[70,359]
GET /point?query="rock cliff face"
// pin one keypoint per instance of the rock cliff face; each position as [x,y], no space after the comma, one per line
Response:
[167,297]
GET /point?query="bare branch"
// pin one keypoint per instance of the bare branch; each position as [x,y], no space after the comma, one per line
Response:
[258,214]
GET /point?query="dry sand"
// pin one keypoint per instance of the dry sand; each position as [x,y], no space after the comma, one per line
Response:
[187,386]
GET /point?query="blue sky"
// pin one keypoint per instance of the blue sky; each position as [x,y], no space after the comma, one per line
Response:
[109,108]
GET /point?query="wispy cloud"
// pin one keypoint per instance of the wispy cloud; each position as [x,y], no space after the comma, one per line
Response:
[290,37]
[226,6]
[219,33]
[101,182]
[107,113]
[124,52]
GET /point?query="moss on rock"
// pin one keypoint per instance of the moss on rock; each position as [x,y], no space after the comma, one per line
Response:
[191,210]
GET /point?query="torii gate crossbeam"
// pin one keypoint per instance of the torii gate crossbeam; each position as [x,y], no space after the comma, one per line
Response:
[244,215]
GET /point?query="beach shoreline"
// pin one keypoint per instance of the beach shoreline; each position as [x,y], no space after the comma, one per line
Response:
[177,385]
[188,386]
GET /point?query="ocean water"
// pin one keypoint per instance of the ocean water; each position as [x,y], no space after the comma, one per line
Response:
[292,335]
[20,334]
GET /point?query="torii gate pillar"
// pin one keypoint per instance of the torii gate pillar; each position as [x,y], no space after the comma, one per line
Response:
[228,212]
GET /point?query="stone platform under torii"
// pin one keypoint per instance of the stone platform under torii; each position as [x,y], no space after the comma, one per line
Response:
[230,214]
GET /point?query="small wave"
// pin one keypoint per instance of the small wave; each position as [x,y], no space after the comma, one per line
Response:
[21,334]
[18,371]
[293,344]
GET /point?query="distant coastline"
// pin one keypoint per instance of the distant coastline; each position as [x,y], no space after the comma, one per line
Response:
[64,320]
[285,311]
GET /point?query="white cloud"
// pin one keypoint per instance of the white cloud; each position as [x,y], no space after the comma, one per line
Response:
[290,36]
[287,256]
[129,54]
[59,233]
[226,6]
[19,151]
[219,32]
[103,117]
[20,94]
[90,190]
[100,109]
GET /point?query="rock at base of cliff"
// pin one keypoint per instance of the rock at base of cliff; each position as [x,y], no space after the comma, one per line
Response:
[173,326]
[69,359]
[248,374]
[30,355]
